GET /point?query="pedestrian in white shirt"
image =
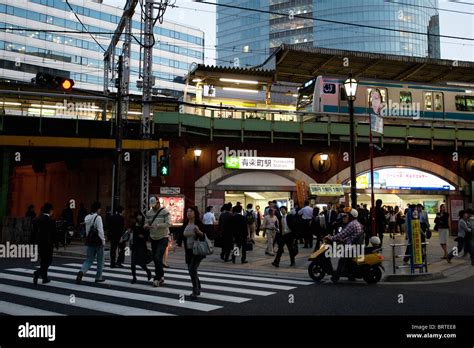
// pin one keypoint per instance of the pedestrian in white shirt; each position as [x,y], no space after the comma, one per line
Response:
[209,221]
[95,246]
[307,214]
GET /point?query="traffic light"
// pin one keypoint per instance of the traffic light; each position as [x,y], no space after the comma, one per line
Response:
[165,163]
[51,81]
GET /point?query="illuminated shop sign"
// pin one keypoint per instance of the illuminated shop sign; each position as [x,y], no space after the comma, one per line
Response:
[403,179]
[262,163]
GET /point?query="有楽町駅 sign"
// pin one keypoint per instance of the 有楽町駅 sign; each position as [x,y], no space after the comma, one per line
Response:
[262,163]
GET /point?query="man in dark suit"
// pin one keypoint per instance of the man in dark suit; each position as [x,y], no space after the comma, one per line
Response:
[45,232]
[116,231]
[225,231]
[240,232]
[285,236]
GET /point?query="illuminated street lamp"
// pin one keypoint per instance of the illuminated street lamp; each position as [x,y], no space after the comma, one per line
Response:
[197,155]
[350,87]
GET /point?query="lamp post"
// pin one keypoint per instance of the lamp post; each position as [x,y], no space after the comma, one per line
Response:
[350,87]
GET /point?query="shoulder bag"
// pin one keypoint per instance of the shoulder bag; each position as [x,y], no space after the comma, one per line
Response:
[203,247]
[93,239]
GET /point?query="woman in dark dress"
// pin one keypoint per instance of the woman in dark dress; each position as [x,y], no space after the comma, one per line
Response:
[138,246]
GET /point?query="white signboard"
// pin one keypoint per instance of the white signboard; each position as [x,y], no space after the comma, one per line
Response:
[170,190]
[260,163]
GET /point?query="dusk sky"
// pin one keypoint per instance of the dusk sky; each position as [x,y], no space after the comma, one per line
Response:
[202,16]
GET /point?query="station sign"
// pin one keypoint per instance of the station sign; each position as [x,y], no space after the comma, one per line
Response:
[259,163]
[326,190]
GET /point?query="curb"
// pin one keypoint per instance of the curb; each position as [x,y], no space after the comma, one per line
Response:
[414,277]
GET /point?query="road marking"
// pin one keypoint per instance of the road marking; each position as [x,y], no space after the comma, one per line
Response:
[218,274]
[210,296]
[224,281]
[18,309]
[64,299]
[113,273]
[121,294]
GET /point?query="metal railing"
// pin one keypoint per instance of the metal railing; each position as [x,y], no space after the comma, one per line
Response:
[423,266]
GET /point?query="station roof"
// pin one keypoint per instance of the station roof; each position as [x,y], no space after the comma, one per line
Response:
[300,63]
[213,75]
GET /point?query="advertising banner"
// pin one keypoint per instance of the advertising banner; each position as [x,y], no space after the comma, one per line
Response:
[175,205]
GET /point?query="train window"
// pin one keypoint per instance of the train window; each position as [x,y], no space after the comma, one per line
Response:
[464,103]
[428,101]
[469,103]
[438,101]
[405,97]
[343,94]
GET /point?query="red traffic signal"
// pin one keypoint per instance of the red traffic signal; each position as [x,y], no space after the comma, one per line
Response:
[51,81]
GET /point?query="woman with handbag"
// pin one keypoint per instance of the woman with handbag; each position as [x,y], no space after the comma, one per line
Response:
[192,230]
[140,253]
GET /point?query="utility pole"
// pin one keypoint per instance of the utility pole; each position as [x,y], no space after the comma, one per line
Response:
[147,97]
[118,139]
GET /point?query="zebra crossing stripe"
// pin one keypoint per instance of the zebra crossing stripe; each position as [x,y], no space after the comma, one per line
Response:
[10,308]
[238,276]
[210,296]
[223,281]
[122,294]
[112,273]
[64,299]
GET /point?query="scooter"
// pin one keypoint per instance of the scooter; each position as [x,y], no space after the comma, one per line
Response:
[369,267]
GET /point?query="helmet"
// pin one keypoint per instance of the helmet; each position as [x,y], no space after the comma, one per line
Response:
[354,213]
[374,240]
[153,201]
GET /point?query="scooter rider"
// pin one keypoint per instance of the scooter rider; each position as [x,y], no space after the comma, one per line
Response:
[352,233]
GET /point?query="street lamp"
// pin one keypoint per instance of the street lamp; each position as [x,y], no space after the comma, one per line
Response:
[197,155]
[351,89]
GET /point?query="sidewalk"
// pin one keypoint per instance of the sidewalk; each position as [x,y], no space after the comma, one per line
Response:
[259,263]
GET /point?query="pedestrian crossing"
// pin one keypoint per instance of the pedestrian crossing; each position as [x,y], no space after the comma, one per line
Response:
[117,296]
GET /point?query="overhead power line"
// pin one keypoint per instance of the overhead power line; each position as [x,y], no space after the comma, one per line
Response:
[337,22]
[77,17]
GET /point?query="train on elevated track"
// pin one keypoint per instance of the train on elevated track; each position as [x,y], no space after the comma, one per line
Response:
[433,102]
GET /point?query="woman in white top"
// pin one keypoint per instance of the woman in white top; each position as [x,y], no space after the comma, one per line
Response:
[270,225]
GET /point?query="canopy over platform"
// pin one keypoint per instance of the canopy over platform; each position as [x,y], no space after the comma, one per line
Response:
[300,63]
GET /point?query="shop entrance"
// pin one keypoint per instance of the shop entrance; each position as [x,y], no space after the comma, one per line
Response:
[260,199]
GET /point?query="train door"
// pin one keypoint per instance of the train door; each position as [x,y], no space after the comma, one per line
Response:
[433,105]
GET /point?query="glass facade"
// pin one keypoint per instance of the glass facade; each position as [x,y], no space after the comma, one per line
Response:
[79,56]
[242,36]
[292,28]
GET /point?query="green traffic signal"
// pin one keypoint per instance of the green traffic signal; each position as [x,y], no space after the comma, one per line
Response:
[165,165]
[164,170]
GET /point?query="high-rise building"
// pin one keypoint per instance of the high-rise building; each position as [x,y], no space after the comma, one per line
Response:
[61,51]
[249,37]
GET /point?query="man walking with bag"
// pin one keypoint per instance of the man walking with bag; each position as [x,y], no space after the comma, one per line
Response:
[157,221]
[285,236]
[116,231]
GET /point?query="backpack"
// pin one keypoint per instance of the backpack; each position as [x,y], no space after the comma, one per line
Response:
[93,238]
[250,217]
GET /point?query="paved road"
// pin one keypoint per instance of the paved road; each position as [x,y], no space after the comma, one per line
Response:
[224,293]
